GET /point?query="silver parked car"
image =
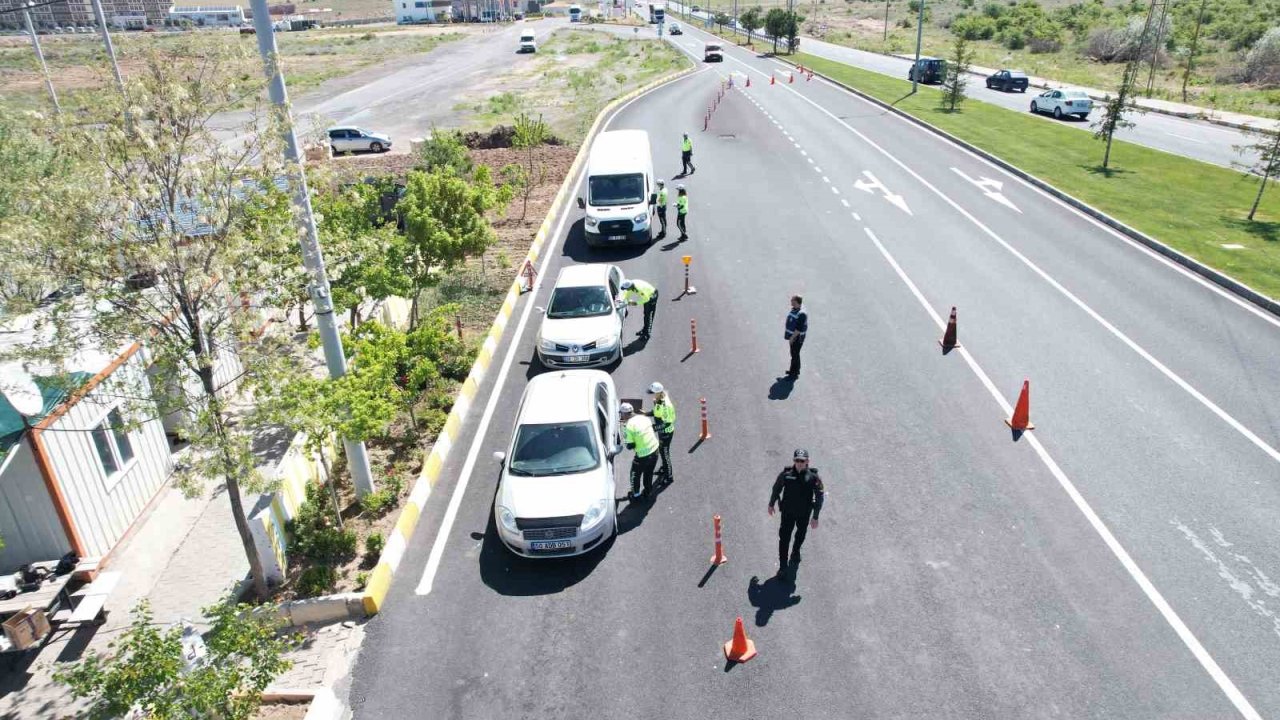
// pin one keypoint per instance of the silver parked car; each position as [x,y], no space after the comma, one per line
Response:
[354,139]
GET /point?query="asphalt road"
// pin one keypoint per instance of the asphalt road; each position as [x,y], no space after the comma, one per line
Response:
[1117,562]
[1181,136]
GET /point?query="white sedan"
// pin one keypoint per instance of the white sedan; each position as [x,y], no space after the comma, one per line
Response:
[1063,102]
[582,325]
[557,493]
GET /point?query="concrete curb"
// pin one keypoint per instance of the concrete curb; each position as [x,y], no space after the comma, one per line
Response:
[380,579]
[323,610]
[1245,292]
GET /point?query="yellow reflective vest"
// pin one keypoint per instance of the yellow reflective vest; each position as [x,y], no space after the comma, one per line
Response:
[638,433]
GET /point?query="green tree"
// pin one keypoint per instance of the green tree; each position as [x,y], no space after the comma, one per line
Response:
[445,151]
[1267,166]
[360,242]
[751,20]
[174,242]
[1115,109]
[530,134]
[445,223]
[721,19]
[956,78]
[145,669]
[780,23]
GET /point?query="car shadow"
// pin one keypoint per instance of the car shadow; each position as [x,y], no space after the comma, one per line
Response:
[509,574]
[577,250]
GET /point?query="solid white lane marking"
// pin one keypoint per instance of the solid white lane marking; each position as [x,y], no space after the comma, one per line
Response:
[1148,588]
[846,202]
[1170,374]
[464,478]
[1184,137]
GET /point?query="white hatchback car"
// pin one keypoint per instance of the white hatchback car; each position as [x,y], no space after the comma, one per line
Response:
[557,492]
[582,325]
[1063,102]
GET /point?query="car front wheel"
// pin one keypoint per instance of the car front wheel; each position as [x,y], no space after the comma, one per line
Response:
[375,146]
[1034,108]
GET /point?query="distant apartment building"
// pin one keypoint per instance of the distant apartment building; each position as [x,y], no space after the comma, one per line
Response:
[206,16]
[122,14]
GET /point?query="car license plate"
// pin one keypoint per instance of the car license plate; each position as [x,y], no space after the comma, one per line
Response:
[577,358]
[617,237]
[551,545]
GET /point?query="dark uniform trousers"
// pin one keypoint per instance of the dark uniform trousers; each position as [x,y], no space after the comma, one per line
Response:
[642,468]
[795,356]
[686,157]
[664,450]
[650,308]
[662,218]
[680,220]
[798,523]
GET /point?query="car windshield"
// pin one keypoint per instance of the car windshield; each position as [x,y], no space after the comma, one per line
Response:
[712,46]
[553,449]
[616,190]
[576,302]
[1075,94]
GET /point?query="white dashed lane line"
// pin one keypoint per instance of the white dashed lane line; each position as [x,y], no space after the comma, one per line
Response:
[825,179]
[835,190]
[846,202]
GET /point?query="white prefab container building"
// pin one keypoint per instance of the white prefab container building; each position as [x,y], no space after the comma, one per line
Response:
[409,12]
[207,16]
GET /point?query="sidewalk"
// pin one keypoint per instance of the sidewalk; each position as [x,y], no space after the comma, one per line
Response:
[184,555]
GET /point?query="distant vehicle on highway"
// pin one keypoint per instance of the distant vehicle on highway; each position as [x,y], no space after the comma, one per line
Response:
[697,9]
[582,324]
[712,52]
[657,13]
[556,494]
[675,29]
[1008,81]
[575,13]
[620,189]
[1063,102]
[354,139]
[528,44]
[928,70]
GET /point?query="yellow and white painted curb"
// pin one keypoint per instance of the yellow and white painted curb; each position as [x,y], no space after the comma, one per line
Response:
[380,580]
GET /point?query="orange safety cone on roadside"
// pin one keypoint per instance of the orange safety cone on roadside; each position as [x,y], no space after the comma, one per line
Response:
[948,341]
[809,78]
[739,649]
[791,78]
[748,81]
[772,80]
[1021,419]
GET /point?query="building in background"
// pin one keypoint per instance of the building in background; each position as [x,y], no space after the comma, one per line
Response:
[409,12]
[206,16]
[121,14]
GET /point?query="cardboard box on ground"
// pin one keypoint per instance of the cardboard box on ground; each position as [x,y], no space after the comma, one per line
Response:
[26,628]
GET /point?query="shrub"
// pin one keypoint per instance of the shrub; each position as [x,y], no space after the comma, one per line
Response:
[362,580]
[1262,64]
[1044,45]
[313,532]
[970,27]
[316,580]
[444,150]
[373,545]
[379,502]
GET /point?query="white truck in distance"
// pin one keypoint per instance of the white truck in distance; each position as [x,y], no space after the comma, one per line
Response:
[575,13]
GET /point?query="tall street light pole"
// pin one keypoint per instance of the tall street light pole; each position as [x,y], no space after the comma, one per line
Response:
[915,70]
[35,43]
[312,258]
[111,54]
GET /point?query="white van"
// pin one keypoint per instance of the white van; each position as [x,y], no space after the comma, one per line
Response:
[575,13]
[527,42]
[620,189]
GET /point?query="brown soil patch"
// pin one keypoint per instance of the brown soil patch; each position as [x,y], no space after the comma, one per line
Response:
[282,711]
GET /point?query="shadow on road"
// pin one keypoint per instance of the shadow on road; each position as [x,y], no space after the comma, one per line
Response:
[576,248]
[510,574]
[772,595]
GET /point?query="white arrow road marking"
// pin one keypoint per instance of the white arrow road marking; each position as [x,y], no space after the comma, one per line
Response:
[872,184]
[990,188]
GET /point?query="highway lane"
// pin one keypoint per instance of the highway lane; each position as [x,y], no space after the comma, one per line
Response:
[952,574]
[1191,138]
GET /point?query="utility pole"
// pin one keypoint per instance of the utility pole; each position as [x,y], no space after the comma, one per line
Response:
[111,54]
[915,69]
[312,258]
[886,20]
[1155,48]
[1191,55]
[35,42]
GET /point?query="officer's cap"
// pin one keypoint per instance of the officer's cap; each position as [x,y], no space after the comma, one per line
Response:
[800,454]
[661,181]
[680,186]
[656,387]
[627,284]
[626,409]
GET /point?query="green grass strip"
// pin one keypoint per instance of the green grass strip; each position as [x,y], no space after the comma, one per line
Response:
[1189,205]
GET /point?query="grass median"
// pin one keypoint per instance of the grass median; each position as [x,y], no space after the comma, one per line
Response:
[1192,206]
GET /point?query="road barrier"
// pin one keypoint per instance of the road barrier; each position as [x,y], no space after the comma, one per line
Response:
[693,331]
[706,429]
[688,289]
[739,649]
[719,558]
[1021,419]
[948,341]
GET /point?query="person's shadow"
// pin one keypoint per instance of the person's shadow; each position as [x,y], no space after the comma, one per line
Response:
[772,595]
[782,387]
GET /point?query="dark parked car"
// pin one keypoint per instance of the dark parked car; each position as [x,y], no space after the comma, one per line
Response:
[928,70]
[1008,81]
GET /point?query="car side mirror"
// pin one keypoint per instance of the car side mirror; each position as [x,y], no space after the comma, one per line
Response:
[500,456]
[615,451]
[582,205]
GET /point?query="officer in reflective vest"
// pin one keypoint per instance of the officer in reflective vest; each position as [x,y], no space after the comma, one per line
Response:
[639,292]
[686,155]
[638,434]
[682,211]
[664,423]
[662,207]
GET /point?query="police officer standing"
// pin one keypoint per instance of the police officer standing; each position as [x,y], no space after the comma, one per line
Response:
[686,155]
[797,328]
[638,434]
[801,493]
[639,292]
[682,211]
[662,207]
[664,423]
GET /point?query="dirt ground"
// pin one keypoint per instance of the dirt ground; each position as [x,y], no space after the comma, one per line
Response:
[282,711]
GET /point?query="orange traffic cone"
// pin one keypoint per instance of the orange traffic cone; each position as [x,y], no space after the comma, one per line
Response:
[810,77]
[772,80]
[791,77]
[739,649]
[1021,419]
[948,341]
[748,81]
